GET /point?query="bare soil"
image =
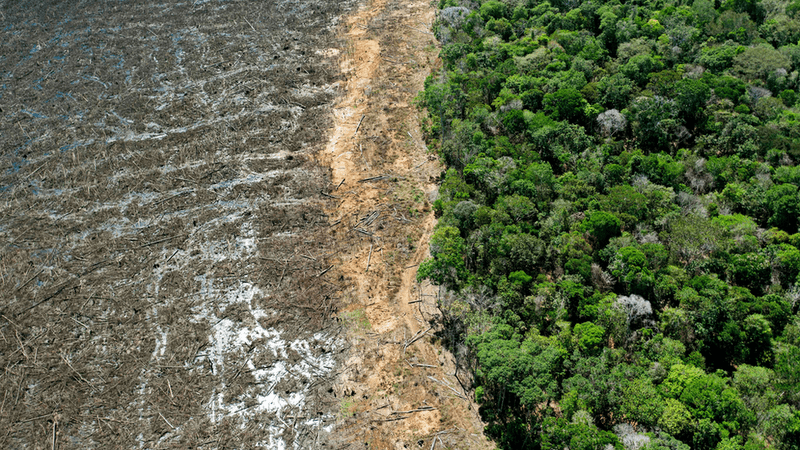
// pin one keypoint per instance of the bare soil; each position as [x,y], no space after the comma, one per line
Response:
[398,388]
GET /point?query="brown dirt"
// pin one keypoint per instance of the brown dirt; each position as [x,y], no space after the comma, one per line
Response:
[383,227]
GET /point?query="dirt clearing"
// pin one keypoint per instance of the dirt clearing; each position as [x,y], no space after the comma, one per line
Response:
[188,260]
[398,388]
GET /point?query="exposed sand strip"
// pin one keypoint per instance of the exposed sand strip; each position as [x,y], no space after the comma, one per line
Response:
[394,393]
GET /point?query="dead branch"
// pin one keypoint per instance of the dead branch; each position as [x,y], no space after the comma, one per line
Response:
[359,124]
[364,232]
[160,241]
[392,419]
[424,408]
[415,338]
[29,280]
[422,365]
[329,195]
[459,395]
[324,271]
[381,177]
[173,196]
[76,372]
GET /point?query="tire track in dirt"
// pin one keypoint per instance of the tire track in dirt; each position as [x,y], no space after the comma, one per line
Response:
[397,388]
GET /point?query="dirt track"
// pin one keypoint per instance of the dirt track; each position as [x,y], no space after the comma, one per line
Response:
[398,388]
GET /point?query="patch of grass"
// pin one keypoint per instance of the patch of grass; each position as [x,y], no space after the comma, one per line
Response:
[346,407]
[358,319]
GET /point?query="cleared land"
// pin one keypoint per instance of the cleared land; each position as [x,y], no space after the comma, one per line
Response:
[162,224]
[399,389]
[186,263]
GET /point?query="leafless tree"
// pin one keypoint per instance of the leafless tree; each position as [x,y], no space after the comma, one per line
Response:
[757,93]
[454,16]
[630,439]
[635,308]
[601,279]
[611,122]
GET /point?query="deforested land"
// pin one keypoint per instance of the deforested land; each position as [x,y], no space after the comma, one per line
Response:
[163,226]
[212,214]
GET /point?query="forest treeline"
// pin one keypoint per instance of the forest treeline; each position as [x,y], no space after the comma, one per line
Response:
[618,220]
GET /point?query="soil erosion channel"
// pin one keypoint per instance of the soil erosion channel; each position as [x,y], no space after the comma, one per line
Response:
[162,224]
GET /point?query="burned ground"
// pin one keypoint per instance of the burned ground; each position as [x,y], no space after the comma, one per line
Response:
[165,244]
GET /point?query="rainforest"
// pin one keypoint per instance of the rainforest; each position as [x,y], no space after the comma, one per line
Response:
[618,219]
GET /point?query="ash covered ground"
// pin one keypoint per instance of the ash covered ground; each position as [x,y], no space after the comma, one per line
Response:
[164,243]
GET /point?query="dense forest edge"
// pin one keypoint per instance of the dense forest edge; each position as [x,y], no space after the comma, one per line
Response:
[618,221]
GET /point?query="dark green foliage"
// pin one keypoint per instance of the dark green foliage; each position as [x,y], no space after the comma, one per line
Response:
[789,97]
[623,191]
[729,87]
[601,226]
[520,252]
[783,202]
[751,270]
[447,265]
[629,266]
[518,375]
[626,201]
[493,9]
[690,98]
[655,122]
[719,57]
[501,27]
[640,67]
[565,104]
[559,434]
[615,91]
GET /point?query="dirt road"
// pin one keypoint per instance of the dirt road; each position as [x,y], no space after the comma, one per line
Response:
[398,388]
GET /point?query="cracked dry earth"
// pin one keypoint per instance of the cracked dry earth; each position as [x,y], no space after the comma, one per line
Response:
[398,387]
